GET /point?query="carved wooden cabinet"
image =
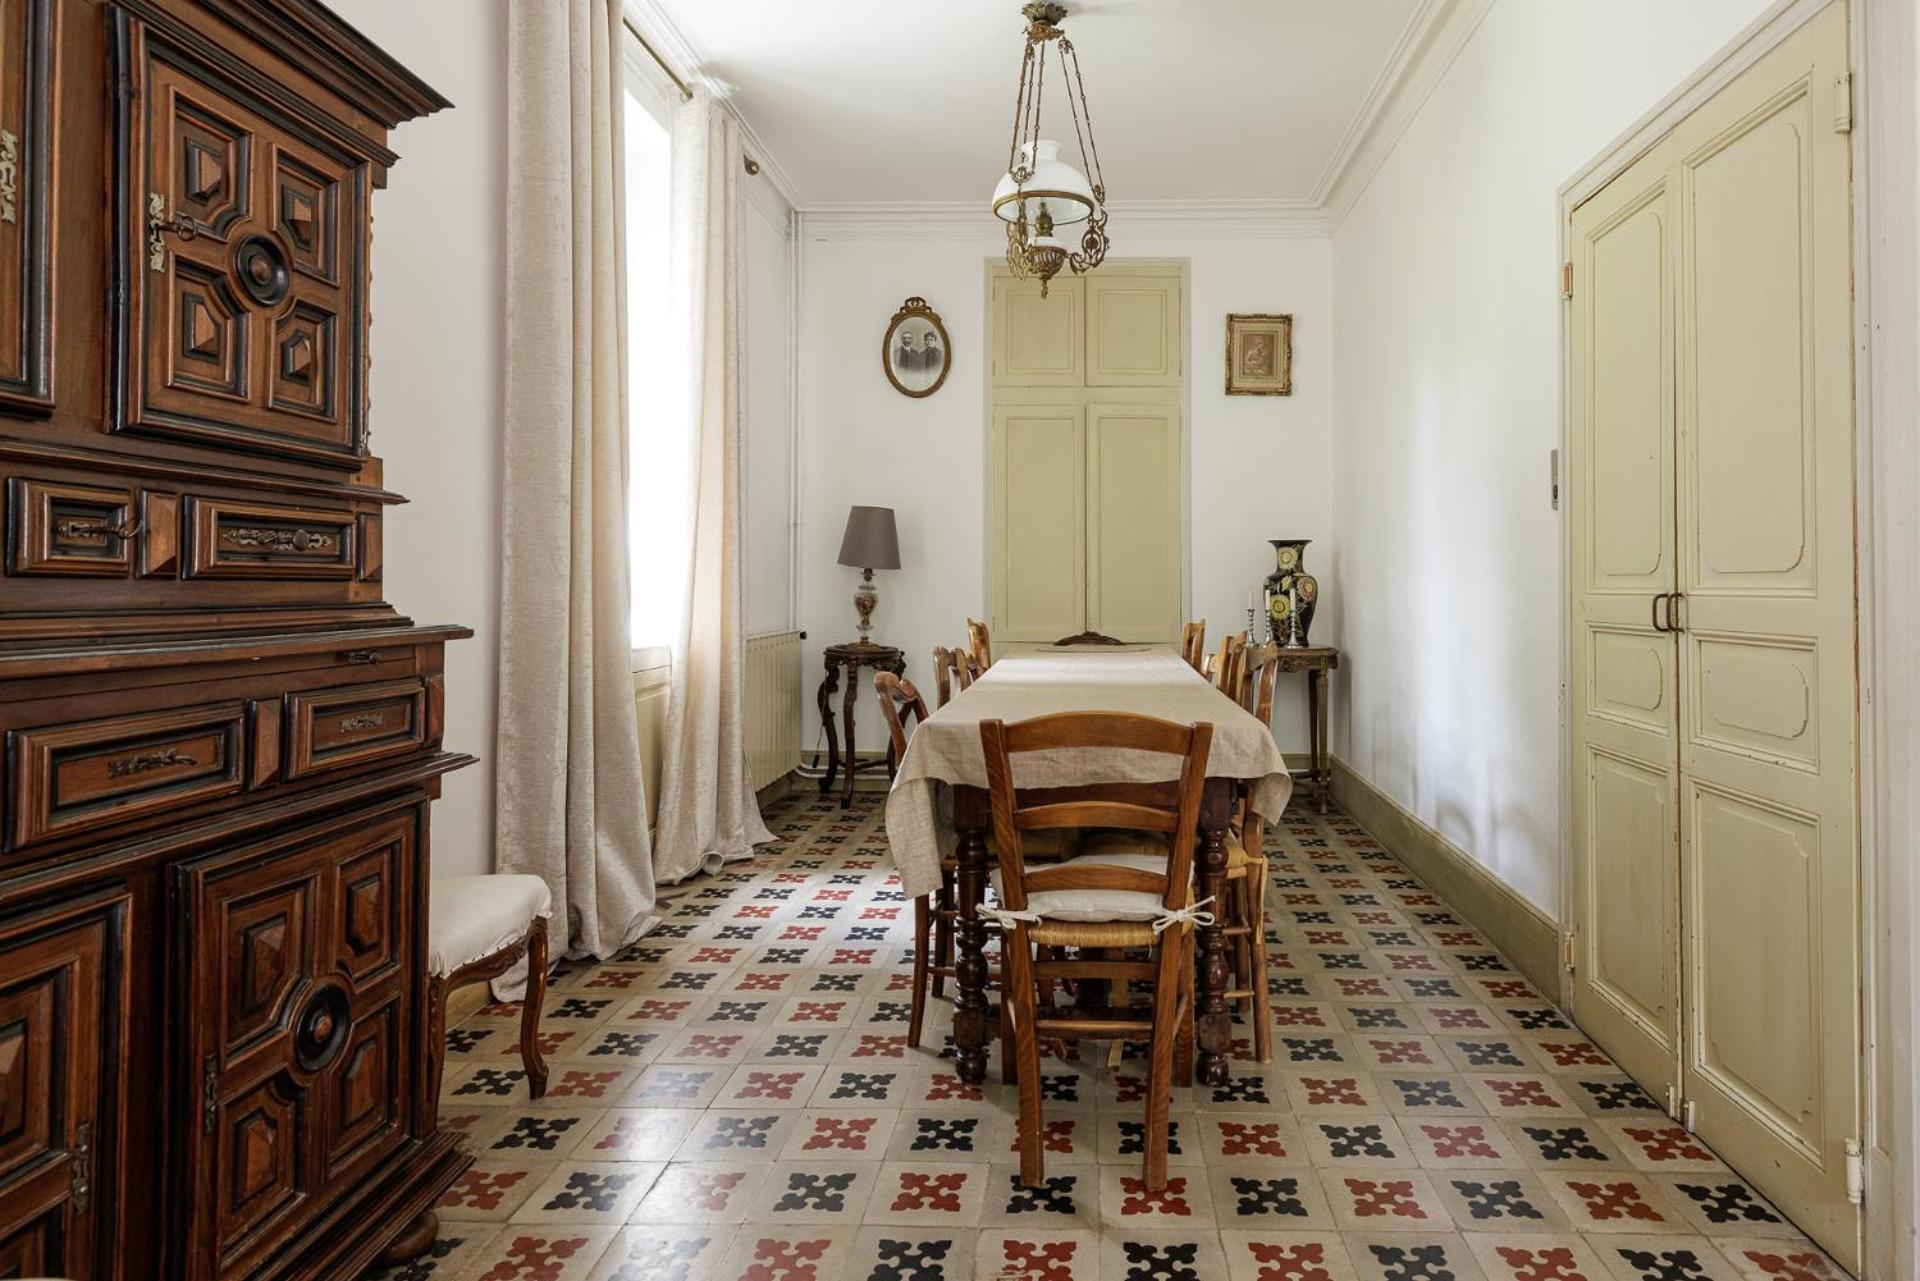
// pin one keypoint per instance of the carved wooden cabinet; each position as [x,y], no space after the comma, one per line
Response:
[219,744]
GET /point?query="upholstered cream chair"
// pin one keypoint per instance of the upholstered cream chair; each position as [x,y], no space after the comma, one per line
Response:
[478,927]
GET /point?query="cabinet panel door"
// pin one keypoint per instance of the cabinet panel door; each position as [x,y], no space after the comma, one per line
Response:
[242,260]
[27,56]
[1038,537]
[1133,521]
[1133,331]
[299,1003]
[1038,342]
[62,1028]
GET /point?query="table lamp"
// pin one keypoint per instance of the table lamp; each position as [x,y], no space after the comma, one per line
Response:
[870,543]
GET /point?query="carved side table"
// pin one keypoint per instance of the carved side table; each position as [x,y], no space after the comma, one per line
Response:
[849,659]
[1316,661]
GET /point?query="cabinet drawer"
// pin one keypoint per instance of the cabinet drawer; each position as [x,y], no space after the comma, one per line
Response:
[68,778]
[227,539]
[333,728]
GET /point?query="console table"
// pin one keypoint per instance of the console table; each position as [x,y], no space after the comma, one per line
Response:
[849,659]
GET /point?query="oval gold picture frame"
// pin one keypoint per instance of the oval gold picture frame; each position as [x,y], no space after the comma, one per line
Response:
[913,339]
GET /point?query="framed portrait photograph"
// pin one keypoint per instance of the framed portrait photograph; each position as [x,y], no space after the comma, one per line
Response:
[1259,355]
[915,352]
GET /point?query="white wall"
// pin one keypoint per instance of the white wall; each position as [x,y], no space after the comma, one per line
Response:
[1259,466]
[438,324]
[766,230]
[1446,361]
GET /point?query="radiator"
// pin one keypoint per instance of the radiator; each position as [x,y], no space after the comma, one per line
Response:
[773,706]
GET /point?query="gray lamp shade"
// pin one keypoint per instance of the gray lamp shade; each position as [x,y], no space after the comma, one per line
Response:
[870,541]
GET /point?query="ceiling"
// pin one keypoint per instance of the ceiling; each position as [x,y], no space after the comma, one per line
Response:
[1192,100]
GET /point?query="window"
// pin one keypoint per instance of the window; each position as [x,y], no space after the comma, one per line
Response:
[659,462]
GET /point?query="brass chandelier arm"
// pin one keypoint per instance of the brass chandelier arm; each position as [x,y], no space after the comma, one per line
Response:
[1077,104]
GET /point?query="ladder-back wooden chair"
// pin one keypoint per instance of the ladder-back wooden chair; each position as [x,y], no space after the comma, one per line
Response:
[902,706]
[1099,905]
[1226,669]
[953,670]
[1193,644]
[1244,912]
[979,645]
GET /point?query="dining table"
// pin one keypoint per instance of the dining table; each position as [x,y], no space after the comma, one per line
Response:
[938,807]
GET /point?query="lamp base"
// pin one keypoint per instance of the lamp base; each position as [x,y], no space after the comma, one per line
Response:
[865,597]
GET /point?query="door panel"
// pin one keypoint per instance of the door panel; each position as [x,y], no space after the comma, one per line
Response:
[1133,519]
[62,1025]
[1772,1054]
[242,264]
[28,52]
[1624,693]
[1040,526]
[1133,331]
[304,1048]
[1038,341]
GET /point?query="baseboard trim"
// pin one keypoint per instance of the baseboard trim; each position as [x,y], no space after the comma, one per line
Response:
[1522,933]
[465,1001]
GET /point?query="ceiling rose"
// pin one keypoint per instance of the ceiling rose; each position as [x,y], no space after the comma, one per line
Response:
[1041,194]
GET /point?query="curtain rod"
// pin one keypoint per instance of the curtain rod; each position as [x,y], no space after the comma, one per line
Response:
[751,165]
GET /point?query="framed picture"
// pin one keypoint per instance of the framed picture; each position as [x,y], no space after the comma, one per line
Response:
[1259,355]
[915,352]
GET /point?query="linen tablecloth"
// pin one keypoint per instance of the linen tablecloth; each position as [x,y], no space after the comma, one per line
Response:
[945,750]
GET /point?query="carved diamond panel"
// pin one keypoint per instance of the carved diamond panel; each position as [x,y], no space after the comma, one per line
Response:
[260,1155]
[268,950]
[210,340]
[27,55]
[369,908]
[303,381]
[365,1093]
[212,155]
[305,213]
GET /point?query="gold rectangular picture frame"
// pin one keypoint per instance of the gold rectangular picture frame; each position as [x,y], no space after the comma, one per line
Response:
[1259,355]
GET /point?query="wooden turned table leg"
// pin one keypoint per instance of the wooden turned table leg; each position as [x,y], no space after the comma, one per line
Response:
[1212,1028]
[972,1017]
[823,699]
[1317,716]
[851,697]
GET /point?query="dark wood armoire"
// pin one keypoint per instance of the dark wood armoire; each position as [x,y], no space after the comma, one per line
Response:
[220,742]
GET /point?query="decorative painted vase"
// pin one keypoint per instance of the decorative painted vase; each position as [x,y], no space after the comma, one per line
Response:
[1291,589]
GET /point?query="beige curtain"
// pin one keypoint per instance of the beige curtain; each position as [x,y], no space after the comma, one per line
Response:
[569,798]
[708,814]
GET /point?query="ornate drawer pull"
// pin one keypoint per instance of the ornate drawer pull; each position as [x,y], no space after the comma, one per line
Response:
[364,720]
[9,176]
[360,656]
[159,226]
[280,540]
[210,1093]
[73,528]
[141,762]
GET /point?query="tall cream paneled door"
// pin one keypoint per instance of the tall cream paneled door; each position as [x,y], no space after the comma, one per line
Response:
[1085,467]
[1713,684]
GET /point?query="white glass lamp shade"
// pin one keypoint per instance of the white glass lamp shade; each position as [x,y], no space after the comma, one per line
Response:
[1055,187]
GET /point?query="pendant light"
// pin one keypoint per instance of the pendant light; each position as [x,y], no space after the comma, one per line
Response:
[1042,198]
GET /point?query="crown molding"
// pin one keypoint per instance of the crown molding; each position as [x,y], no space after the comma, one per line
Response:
[1130,219]
[1421,58]
[667,39]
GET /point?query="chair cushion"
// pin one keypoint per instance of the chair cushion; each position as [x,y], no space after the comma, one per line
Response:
[1099,905]
[469,917]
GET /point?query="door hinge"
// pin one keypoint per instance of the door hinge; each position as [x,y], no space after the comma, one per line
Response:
[1856,1173]
[80,1178]
[1673,1102]
[1566,940]
[1566,280]
[1843,103]
[210,1093]
[1686,1115]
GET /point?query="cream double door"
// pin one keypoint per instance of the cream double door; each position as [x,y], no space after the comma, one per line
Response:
[1085,467]
[1712,686]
